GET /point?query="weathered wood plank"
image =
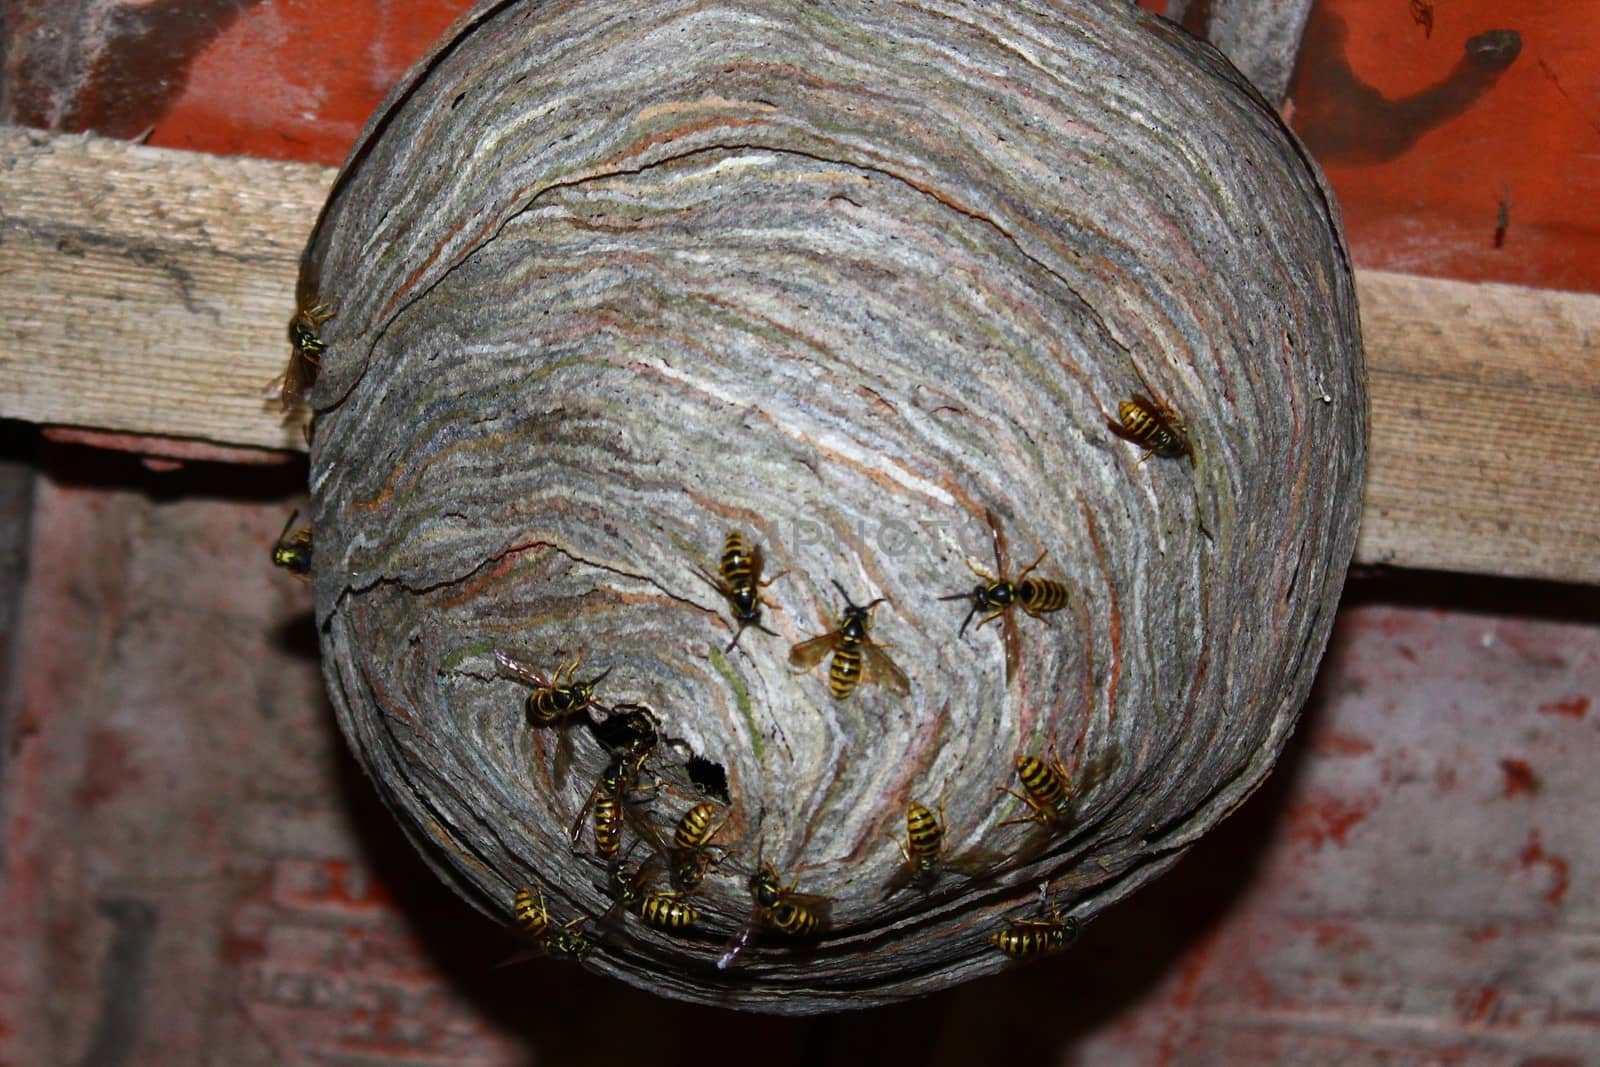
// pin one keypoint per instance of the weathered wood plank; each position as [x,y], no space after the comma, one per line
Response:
[1479,393]
[146,291]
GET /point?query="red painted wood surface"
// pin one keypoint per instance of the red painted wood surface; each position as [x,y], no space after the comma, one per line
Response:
[1426,148]
[194,872]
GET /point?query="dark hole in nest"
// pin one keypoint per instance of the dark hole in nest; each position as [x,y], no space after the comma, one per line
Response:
[708,777]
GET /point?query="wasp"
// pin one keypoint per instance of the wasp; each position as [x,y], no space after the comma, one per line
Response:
[552,700]
[999,594]
[1052,933]
[1152,424]
[1047,787]
[562,943]
[1047,791]
[664,910]
[631,730]
[607,802]
[857,659]
[532,918]
[305,354]
[627,886]
[690,854]
[796,915]
[667,911]
[292,551]
[557,942]
[738,579]
[923,852]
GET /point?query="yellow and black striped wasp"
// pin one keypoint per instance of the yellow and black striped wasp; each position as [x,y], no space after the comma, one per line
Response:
[665,910]
[1048,790]
[557,942]
[565,943]
[305,353]
[690,854]
[626,885]
[608,801]
[738,579]
[552,701]
[533,918]
[629,888]
[1044,936]
[857,659]
[999,594]
[1152,425]
[923,852]
[795,915]
[292,551]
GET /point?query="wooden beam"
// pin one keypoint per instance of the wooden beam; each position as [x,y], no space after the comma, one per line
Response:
[1482,399]
[146,291]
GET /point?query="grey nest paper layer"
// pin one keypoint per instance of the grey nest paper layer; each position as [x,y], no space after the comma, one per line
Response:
[612,280]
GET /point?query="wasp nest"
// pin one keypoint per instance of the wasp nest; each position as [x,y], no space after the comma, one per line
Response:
[892,406]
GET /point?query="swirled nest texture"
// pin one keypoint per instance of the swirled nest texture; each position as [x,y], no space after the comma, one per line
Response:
[864,283]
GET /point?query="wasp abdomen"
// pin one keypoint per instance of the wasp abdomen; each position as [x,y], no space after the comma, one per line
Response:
[1041,781]
[532,918]
[1040,595]
[924,835]
[794,919]
[844,673]
[1035,938]
[667,911]
[696,826]
[1151,424]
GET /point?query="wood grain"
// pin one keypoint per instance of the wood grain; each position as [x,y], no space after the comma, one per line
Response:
[1480,394]
[146,291]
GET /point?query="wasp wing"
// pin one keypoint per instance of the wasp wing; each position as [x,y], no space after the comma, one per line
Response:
[583,812]
[736,944]
[1013,646]
[511,667]
[878,668]
[1002,556]
[808,654]
[901,878]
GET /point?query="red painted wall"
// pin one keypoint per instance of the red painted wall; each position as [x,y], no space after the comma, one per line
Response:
[194,872]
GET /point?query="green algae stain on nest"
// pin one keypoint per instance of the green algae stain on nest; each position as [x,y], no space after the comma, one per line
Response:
[742,695]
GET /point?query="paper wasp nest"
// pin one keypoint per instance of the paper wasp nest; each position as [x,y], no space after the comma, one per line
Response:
[605,282]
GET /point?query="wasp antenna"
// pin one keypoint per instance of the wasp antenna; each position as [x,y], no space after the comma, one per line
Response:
[842,593]
[963,631]
[293,515]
